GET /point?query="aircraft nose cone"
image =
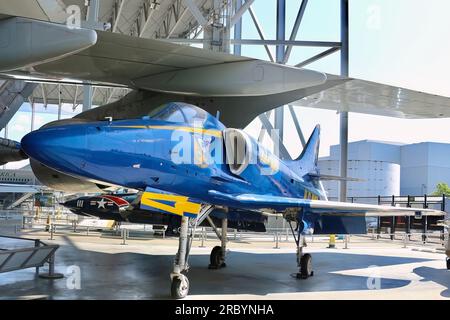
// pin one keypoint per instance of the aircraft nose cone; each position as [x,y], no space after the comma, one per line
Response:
[58,148]
[71,204]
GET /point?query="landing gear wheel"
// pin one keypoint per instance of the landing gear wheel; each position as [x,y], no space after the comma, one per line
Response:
[306,267]
[448,263]
[180,287]
[216,258]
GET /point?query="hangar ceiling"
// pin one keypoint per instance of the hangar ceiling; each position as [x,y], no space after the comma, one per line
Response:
[163,19]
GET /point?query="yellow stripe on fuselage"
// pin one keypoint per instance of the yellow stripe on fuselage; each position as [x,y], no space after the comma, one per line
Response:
[210,132]
[182,204]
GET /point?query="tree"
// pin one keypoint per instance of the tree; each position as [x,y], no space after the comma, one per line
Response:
[442,188]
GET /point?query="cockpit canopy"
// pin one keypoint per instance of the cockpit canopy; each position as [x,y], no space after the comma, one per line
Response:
[180,112]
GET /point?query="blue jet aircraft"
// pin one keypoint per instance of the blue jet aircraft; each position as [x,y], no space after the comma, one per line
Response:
[187,163]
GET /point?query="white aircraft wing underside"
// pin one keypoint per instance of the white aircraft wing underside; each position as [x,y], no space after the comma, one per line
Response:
[368,97]
[44,49]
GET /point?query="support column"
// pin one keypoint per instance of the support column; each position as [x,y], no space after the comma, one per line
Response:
[238,30]
[281,36]
[33,115]
[216,35]
[93,12]
[92,23]
[344,115]
[87,97]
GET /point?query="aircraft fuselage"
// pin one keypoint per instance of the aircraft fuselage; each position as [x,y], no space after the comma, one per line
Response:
[175,157]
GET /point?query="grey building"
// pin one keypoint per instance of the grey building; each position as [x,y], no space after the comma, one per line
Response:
[390,168]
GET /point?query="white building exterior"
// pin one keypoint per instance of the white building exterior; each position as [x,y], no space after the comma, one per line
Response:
[389,168]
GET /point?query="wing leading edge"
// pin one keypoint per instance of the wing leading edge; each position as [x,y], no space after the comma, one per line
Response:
[281,204]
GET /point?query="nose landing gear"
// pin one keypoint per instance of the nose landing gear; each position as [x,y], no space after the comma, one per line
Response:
[179,282]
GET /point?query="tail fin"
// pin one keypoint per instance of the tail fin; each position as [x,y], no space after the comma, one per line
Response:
[308,160]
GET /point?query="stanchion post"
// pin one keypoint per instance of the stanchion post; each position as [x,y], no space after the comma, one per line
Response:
[52,230]
[124,236]
[37,244]
[277,246]
[202,234]
[332,242]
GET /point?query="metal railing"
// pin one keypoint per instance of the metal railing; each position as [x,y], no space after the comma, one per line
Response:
[30,257]
[204,234]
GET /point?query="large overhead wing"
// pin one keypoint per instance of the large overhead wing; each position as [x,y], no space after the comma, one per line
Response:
[368,97]
[43,49]
[281,204]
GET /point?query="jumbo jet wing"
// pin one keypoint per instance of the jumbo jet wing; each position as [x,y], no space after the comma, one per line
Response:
[320,207]
[44,49]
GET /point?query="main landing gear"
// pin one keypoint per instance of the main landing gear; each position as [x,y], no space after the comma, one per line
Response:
[218,253]
[180,282]
[448,263]
[304,260]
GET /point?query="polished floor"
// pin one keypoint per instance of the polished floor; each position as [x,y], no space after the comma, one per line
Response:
[256,270]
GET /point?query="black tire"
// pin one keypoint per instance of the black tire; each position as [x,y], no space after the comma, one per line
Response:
[177,289]
[448,263]
[216,257]
[306,266]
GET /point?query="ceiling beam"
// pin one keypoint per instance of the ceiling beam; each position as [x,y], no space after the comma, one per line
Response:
[295,29]
[317,57]
[261,34]
[117,12]
[238,15]
[44,95]
[145,15]
[196,12]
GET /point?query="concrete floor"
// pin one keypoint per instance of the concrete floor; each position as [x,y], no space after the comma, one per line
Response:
[140,270]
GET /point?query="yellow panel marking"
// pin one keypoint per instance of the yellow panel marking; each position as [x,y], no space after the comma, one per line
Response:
[310,196]
[182,204]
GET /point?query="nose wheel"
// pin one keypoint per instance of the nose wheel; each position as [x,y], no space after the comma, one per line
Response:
[448,263]
[180,286]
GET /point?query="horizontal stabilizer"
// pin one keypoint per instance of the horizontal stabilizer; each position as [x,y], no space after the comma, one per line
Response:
[324,177]
[10,151]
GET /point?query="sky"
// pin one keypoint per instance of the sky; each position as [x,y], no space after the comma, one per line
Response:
[402,43]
